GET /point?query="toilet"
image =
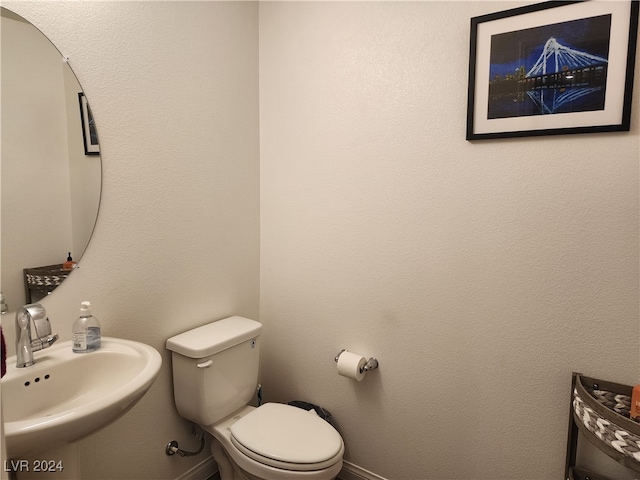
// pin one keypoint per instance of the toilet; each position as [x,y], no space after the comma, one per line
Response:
[215,376]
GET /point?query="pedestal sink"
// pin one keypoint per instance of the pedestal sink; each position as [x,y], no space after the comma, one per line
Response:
[66,396]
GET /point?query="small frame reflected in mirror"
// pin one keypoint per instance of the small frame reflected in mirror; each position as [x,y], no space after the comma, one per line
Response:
[89,132]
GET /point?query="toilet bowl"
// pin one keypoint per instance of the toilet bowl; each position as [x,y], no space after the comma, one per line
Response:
[276,442]
[215,375]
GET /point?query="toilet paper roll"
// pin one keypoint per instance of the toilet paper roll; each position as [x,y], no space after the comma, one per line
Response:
[351,365]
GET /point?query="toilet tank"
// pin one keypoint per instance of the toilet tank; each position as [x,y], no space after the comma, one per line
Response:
[215,368]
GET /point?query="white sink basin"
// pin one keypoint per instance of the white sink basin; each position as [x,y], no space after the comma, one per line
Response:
[66,396]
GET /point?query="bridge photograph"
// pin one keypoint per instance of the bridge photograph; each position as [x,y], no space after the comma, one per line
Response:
[550,69]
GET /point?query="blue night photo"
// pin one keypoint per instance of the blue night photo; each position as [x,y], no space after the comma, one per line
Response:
[551,69]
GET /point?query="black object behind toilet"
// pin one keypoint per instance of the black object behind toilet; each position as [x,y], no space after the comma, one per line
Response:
[322,413]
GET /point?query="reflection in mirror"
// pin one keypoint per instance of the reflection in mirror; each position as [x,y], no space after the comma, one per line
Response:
[50,189]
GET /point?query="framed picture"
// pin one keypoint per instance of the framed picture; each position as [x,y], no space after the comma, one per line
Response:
[89,131]
[552,68]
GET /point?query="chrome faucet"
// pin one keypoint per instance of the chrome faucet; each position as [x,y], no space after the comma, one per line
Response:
[32,314]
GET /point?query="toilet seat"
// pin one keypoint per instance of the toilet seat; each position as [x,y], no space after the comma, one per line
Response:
[287,437]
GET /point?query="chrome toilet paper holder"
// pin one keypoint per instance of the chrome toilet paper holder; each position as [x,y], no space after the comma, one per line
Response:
[371,364]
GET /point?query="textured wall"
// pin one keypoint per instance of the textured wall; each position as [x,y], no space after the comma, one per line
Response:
[174,90]
[480,274]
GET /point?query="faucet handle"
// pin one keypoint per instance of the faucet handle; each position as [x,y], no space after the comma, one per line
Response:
[39,319]
[41,343]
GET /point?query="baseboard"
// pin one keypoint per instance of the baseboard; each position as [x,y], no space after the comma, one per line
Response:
[207,469]
[353,472]
[202,471]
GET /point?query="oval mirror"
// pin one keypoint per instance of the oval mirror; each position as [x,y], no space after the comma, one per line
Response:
[50,173]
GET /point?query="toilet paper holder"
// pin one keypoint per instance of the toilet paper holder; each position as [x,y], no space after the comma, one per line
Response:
[371,364]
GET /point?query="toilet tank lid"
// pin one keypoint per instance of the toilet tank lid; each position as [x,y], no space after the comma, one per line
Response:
[214,337]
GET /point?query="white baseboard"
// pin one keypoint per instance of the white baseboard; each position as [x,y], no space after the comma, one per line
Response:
[202,471]
[353,472]
[208,468]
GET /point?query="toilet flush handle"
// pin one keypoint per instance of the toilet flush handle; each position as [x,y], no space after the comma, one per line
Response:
[206,364]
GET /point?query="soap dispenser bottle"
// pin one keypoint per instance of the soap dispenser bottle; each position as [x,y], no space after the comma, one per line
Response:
[85,332]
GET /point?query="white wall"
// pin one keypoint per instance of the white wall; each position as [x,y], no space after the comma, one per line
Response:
[174,91]
[479,274]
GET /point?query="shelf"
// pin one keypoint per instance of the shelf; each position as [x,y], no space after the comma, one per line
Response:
[600,411]
[41,281]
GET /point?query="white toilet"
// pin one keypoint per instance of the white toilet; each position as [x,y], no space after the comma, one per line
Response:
[215,376]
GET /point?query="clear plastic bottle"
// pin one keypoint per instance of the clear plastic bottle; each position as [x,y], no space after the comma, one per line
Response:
[85,332]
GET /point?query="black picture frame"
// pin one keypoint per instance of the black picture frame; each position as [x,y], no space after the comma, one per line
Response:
[89,131]
[559,67]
